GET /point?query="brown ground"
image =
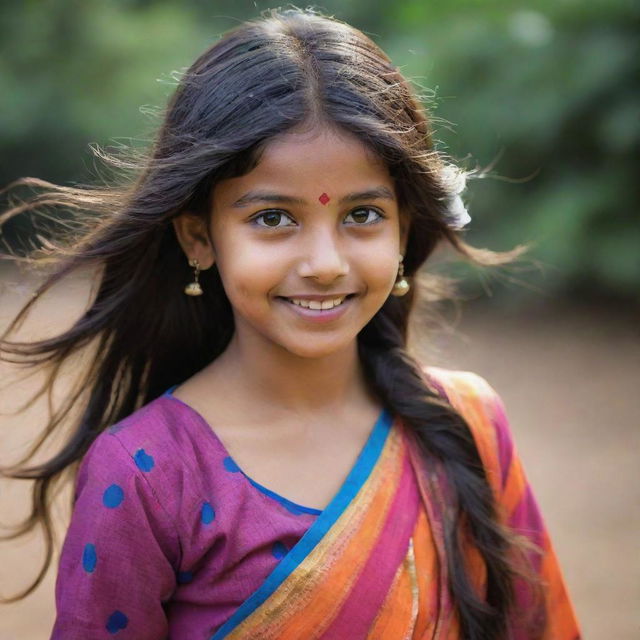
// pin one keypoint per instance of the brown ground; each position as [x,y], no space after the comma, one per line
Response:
[569,378]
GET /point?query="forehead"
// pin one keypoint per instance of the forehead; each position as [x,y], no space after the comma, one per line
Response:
[307,164]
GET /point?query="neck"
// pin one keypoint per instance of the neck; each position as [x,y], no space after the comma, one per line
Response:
[282,383]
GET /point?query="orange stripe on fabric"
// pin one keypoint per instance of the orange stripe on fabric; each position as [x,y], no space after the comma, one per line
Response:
[346,565]
[561,617]
[354,554]
[396,618]
[515,487]
[467,398]
[478,417]
[429,487]
[308,600]
[471,396]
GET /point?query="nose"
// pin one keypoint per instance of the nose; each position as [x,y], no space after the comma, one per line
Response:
[323,257]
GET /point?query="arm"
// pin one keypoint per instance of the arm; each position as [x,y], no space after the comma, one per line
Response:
[118,558]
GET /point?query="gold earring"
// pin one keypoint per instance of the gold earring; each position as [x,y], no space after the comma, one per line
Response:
[194,288]
[401,285]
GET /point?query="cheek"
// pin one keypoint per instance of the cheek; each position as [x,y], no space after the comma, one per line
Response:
[248,271]
[388,273]
[380,267]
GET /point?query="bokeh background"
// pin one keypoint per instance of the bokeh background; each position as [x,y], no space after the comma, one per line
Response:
[542,95]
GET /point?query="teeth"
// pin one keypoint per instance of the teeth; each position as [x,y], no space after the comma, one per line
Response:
[317,304]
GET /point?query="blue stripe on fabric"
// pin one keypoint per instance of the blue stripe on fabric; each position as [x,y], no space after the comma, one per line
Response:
[357,477]
[170,390]
[291,507]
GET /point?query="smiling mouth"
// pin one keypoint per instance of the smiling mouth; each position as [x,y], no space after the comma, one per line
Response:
[319,305]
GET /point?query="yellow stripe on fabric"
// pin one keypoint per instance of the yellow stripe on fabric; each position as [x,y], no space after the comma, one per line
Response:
[308,600]
[427,577]
[415,596]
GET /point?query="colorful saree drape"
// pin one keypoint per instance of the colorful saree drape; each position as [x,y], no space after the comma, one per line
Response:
[373,564]
[170,539]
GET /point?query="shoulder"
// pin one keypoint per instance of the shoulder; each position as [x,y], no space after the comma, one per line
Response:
[475,399]
[141,438]
[151,448]
[457,385]
[468,392]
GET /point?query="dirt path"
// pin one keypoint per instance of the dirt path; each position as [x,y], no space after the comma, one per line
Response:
[569,379]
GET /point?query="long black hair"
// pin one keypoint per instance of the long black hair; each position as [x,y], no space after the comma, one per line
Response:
[287,69]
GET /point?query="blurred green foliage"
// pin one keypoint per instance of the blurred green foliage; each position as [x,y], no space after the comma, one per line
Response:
[545,93]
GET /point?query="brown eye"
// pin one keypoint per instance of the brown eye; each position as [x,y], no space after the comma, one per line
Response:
[272,219]
[362,217]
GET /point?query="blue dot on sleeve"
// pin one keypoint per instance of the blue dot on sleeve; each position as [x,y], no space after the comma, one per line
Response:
[89,558]
[113,496]
[143,460]
[184,577]
[116,622]
[230,465]
[279,550]
[207,514]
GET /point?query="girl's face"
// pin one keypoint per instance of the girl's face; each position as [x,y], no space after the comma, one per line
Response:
[315,223]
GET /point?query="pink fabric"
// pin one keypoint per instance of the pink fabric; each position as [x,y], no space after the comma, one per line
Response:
[168,537]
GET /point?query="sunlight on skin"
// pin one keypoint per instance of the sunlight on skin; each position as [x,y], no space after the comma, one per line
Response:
[272,243]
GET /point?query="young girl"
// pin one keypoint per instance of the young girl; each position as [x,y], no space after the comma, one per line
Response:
[260,456]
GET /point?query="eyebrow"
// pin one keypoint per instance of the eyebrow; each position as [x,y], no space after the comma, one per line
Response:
[252,197]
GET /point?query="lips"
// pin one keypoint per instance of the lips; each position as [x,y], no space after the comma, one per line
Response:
[319,296]
[317,302]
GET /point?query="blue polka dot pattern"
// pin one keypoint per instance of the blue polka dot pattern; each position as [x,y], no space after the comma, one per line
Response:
[279,550]
[143,460]
[89,558]
[230,465]
[185,577]
[116,622]
[113,496]
[207,514]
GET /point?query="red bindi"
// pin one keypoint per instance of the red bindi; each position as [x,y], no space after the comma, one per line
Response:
[324,198]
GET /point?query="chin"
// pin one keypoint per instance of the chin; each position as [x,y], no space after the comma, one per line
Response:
[312,350]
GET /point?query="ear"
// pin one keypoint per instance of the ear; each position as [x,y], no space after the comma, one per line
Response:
[193,236]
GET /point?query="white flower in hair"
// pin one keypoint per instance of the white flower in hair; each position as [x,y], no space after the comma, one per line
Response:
[455,182]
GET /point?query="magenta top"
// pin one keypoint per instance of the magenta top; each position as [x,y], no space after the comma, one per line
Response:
[168,536]
[170,539]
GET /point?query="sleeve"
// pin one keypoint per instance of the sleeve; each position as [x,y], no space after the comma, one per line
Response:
[117,562]
[546,613]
